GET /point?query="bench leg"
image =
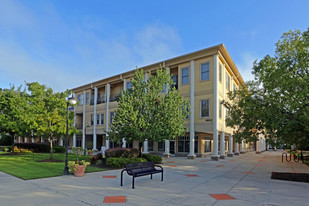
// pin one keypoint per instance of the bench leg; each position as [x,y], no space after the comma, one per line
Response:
[162,176]
[133,182]
[121,179]
[150,176]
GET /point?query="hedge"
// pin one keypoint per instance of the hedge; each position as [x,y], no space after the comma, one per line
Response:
[152,158]
[120,162]
[35,147]
[122,152]
[58,149]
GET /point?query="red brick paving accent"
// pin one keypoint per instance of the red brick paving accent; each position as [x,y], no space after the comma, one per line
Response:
[114,199]
[203,161]
[109,176]
[172,166]
[170,162]
[222,197]
[249,173]
[219,165]
[192,175]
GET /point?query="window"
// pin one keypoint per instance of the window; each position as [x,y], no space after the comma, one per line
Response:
[164,88]
[207,146]
[185,76]
[161,146]
[80,99]
[112,115]
[220,73]
[91,119]
[205,71]
[228,81]
[175,80]
[235,88]
[205,108]
[103,97]
[150,145]
[102,119]
[87,98]
[99,98]
[184,144]
[129,85]
[78,142]
[92,99]
[98,119]
[220,110]
[227,113]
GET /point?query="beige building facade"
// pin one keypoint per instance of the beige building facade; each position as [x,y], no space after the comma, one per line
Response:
[203,77]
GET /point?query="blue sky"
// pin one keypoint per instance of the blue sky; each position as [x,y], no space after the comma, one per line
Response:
[64,44]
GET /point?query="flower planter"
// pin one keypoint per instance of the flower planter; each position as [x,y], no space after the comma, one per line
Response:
[80,171]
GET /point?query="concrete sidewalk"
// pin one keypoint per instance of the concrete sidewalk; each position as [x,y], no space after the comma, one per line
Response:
[244,178]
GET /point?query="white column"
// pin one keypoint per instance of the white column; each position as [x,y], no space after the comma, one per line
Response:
[236,149]
[215,155]
[94,141]
[145,147]
[242,148]
[61,141]
[74,124]
[124,143]
[231,154]
[108,88]
[19,139]
[41,139]
[167,148]
[222,137]
[84,122]
[25,139]
[192,131]
[32,140]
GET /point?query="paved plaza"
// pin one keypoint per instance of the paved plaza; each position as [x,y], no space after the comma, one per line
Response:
[238,180]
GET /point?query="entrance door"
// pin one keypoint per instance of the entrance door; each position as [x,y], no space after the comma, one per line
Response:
[172,147]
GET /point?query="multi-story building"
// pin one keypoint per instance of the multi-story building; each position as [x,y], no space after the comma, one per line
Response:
[203,77]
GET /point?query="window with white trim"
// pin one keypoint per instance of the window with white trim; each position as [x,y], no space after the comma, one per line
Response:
[205,71]
[220,73]
[228,81]
[185,75]
[91,119]
[101,118]
[80,99]
[205,108]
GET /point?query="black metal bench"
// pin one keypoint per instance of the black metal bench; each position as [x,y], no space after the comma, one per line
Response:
[141,169]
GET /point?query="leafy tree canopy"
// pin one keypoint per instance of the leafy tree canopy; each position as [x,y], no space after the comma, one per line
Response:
[144,112]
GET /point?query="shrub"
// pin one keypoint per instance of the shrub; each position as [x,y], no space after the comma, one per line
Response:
[58,149]
[122,152]
[95,158]
[8,149]
[120,162]
[6,140]
[21,150]
[152,158]
[35,147]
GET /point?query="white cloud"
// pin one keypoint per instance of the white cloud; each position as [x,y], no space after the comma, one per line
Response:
[245,65]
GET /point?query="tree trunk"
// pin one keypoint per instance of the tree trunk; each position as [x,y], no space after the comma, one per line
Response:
[140,148]
[51,148]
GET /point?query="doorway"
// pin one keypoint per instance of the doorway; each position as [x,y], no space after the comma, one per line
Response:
[172,147]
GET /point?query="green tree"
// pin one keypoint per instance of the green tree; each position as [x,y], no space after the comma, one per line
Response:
[277,103]
[47,112]
[13,106]
[144,112]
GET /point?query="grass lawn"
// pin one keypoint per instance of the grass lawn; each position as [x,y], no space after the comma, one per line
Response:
[26,166]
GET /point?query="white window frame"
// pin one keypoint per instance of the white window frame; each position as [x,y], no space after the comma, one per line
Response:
[185,76]
[201,72]
[201,107]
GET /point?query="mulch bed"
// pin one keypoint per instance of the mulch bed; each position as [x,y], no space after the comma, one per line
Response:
[50,160]
[297,177]
[12,153]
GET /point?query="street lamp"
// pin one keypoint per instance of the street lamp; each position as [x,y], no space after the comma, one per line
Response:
[66,168]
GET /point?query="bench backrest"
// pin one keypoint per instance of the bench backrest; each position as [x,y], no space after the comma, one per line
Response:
[140,167]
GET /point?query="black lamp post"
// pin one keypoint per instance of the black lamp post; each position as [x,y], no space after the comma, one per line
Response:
[66,168]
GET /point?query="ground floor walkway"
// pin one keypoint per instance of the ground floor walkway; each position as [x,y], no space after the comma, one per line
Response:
[239,180]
